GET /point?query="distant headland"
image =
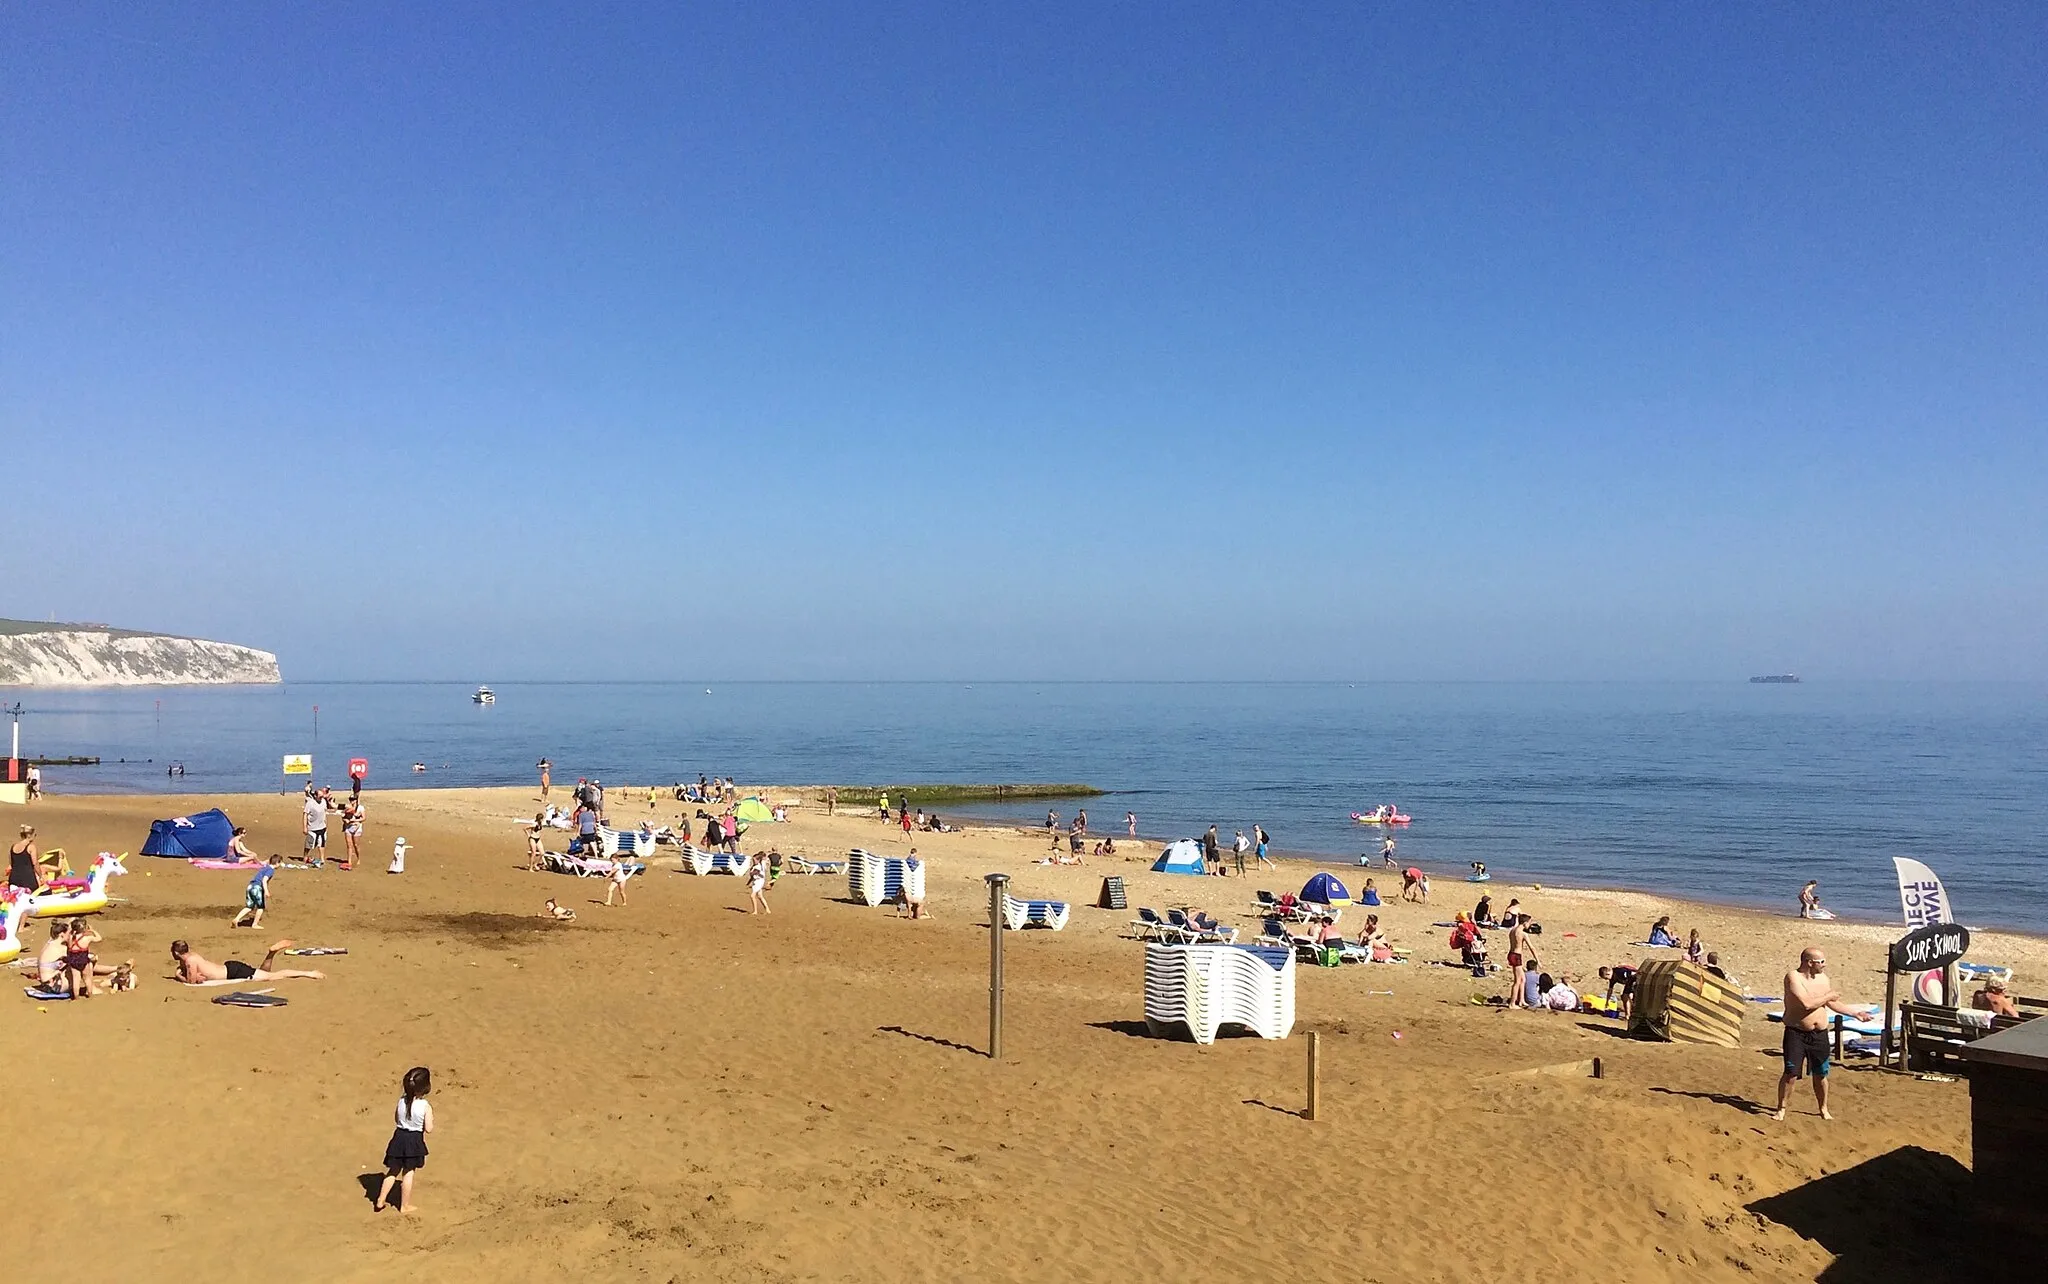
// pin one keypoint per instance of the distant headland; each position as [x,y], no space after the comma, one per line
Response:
[34,654]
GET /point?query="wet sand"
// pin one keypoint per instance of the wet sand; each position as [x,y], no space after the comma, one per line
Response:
[678,1090]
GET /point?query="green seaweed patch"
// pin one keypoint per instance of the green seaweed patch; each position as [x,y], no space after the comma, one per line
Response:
[927,795]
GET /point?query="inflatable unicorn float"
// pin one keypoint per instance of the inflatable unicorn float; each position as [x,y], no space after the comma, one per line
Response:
[67,896]
[1384,814]
[13,908]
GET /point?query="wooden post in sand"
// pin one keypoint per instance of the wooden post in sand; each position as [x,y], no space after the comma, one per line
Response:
[1315,1084]
[998,888]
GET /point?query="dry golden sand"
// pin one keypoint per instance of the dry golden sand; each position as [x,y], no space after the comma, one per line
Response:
[676,1090]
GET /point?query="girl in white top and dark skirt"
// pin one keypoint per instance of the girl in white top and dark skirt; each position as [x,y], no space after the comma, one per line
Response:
[407,1153]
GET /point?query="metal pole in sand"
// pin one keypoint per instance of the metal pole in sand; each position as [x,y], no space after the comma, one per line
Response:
[1315,1078]
[1891,1003]
[998,888]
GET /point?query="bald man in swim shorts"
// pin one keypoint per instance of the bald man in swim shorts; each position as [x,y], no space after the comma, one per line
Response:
[1809,997]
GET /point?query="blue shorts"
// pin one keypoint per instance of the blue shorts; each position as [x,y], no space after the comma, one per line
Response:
[1808,1048]
[253,898]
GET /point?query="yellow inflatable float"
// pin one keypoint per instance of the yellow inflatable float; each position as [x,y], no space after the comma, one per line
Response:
[58,902]
[13,908]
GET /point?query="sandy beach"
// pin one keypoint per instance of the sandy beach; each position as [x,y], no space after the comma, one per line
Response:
[675,1089]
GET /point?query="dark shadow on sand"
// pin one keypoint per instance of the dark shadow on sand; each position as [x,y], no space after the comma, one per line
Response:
[1733,1102]
[1135,1029]
[499,931]
[929,1038]
[370,1183]
[1610,1030]
[1889,1218]
[1278,1110]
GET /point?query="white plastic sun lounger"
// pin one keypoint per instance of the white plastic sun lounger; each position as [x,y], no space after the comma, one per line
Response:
[1206,987]
[1018,914]
[873,879]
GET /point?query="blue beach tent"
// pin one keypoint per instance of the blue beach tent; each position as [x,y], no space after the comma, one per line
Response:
[1182,856]
[1324,889]
[205,834]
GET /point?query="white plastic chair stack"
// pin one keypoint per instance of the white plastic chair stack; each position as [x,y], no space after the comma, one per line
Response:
[1206,987]
[696,859]
[613,844]
[873,879]
[864,876]
[1018,915]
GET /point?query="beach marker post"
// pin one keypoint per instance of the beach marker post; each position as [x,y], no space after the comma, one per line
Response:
[998,888]
[1315,1077]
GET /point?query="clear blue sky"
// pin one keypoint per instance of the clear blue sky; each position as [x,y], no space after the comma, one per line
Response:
[494,341]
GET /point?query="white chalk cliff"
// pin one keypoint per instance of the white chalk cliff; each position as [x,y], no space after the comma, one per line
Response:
[71,656]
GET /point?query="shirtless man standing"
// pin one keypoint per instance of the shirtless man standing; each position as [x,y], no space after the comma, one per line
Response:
[195,970]
[1809,997]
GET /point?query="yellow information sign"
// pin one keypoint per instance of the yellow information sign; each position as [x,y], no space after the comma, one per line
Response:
[298,764]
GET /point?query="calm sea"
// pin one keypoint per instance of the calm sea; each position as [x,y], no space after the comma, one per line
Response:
[1727,791]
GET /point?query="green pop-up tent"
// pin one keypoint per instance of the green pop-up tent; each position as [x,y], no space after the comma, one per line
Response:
[754,812]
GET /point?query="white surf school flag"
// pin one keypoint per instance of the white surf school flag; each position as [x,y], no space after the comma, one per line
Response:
[1921,894]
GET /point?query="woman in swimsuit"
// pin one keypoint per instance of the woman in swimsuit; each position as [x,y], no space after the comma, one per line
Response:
[352,830]
[536,855]
[22,868]
[238,846]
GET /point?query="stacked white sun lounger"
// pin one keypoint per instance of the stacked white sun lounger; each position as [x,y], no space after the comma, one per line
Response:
[616,843]
[873,879]
[698,861]
[1021,914]
[1206,987]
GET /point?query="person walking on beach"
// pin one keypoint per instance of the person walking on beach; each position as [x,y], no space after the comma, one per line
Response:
[831,799]
[1261,840]
[536,853]
[1387,860]
[316,824]
[1212,857]
[1131,823]
[1081,821]
[352,831]
[256,898]
[545,767]
[406,1153]
[1809,997]
[757,884]
[1240,845]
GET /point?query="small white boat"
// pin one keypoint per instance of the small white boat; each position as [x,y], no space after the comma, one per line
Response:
[484,695]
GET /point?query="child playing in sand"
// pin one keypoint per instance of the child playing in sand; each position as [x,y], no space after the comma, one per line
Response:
[407,1152]
[557,913]
[616,882]
[78,960]
[257,895]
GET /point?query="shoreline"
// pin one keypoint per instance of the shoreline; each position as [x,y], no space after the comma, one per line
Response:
[1513,879]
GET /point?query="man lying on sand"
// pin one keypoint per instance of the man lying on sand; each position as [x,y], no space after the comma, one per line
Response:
[195,970]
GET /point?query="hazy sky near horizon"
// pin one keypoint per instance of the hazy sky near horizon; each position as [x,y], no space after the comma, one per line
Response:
[1059,341]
